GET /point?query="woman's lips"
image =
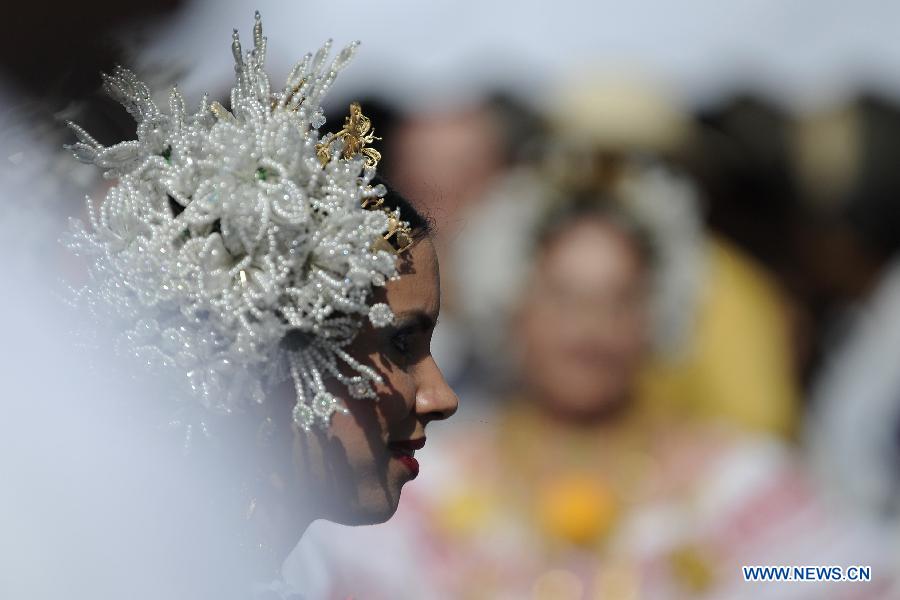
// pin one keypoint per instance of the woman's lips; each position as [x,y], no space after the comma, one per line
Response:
[404,451]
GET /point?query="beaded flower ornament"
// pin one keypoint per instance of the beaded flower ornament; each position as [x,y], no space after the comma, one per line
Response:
[240,246]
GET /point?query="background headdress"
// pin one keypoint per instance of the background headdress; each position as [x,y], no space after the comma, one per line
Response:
[239,245]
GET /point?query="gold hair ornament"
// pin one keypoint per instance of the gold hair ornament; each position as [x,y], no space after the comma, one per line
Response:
[356,133]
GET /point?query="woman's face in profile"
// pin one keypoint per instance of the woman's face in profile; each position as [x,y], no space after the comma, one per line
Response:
[583,322]
[359,465]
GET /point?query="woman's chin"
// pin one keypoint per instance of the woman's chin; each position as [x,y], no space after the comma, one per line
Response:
[372,507]
[365,515]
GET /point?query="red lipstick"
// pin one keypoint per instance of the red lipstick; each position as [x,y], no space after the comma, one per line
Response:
[405,450]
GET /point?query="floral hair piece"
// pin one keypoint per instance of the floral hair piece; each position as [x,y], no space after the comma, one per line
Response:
[240,246]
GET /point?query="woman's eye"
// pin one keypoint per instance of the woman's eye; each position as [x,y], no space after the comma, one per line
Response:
[402,341]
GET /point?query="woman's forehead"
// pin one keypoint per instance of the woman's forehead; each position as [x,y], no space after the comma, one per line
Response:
[418,287]
[589,243]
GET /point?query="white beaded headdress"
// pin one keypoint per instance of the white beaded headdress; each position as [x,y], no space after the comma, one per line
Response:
[241,246]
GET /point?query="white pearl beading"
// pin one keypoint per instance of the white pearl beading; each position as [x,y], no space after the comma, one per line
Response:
[266,244]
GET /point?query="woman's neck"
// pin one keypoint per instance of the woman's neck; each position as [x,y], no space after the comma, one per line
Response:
[269,536]
[602,415]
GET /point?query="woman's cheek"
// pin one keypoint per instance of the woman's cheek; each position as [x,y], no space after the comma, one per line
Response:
[397,396]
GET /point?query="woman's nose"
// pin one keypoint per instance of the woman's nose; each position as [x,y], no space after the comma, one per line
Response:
[435,400]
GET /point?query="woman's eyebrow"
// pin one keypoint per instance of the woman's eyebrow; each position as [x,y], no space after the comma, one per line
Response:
[418,318]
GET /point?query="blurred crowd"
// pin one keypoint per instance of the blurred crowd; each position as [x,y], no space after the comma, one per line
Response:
[676,338]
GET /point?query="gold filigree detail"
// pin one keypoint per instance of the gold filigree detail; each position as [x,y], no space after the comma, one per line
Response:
[220,112]
[290,96]
[372,202]
[356,133]
[398,235]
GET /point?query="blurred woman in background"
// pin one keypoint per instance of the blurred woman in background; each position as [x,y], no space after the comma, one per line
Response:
[553,498]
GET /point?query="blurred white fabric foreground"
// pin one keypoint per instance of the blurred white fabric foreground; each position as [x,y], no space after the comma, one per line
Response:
[92,504]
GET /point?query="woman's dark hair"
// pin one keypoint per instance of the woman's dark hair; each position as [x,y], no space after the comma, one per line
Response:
[421,226]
